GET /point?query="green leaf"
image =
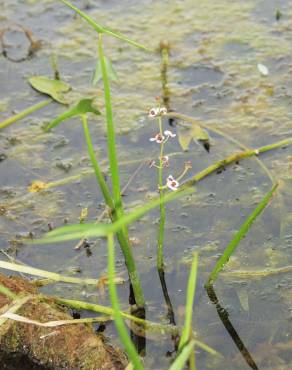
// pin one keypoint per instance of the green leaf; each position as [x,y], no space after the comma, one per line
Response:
[184,137]
[199,134]
[86,106]
[182,358]
[191,289]
[101,29]
[83,106]
[53,88]
[110,71]
[231,247]
[194,132]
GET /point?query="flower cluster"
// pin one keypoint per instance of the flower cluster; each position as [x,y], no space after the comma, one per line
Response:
[154,112]
[159,138]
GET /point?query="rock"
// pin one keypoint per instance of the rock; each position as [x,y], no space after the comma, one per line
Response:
[64,347]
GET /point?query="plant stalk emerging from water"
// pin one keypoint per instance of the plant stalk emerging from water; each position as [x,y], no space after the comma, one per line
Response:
[121,327]
[118,206]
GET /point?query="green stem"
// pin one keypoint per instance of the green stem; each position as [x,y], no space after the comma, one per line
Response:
[120,325]
[187,330]
[235,157]
[113,161]
[239,235]
[182,358]
[149,325]
[111,140]
[24,113]
[99,176]
[162,206]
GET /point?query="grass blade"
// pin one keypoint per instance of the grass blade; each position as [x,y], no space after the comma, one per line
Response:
[47,274]
[183,357]
[24,113]
[191,290]
[101,29]
[77,231]
[239,235]
[120,325]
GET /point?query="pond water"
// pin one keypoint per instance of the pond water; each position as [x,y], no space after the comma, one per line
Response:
[215,48]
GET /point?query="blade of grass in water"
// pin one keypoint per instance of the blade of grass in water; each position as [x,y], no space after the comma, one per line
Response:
[47,274]
[239,235]
[182,358]
[76,231]
[121,327]
[99,176]
[101,29]
[191,290]
[24,113]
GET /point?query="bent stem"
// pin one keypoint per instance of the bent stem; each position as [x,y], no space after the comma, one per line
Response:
[24,113]
[233,158]
[120,325]
[118,206]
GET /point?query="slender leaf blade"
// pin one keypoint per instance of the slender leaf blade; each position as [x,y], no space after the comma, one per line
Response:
[101,29]
[183,357]
[187,329]
[96,230]
[239,235]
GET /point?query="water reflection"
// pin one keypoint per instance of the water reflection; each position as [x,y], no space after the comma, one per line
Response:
[224,317]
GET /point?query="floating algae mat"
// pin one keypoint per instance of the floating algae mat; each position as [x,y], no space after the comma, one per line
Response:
[223,71]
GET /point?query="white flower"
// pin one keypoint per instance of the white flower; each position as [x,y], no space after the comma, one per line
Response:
[163,111]
[171,183]
[263,69]
[165,161]
[158,138]
[153,112]
[169,134]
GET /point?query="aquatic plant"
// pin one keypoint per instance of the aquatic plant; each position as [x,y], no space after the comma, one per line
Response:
[170,187]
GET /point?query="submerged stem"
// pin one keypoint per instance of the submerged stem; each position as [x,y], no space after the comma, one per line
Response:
[24,113]
[121,327]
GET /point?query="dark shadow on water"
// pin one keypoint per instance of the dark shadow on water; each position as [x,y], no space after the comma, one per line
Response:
[224,317]
[18,361]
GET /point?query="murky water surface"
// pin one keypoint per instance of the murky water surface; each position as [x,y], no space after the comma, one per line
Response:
[213,76]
